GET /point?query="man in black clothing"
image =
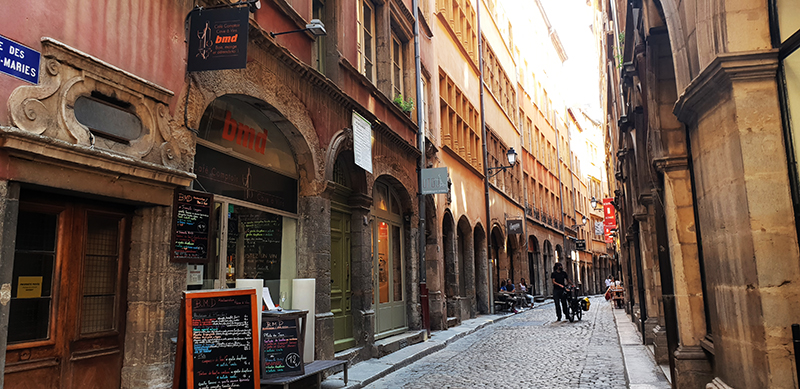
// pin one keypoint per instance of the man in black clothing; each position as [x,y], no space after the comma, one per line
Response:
[560,281]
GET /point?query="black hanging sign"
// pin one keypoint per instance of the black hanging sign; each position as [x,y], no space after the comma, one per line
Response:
[218,39]
[191,225]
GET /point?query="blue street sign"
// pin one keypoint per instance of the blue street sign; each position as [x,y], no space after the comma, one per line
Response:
[19,61]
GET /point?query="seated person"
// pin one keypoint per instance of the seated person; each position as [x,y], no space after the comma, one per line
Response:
[523,288]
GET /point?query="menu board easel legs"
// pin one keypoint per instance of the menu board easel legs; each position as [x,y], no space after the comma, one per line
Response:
[179,376]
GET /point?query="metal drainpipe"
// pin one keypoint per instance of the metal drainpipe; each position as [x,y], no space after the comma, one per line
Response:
[423,288]
[485,164]
[560,188]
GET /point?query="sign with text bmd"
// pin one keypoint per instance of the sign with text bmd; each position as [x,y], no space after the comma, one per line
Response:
[19,61]
[362,142]
[218,39]
[434,180]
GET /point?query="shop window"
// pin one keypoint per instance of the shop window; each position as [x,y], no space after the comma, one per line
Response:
[246,161]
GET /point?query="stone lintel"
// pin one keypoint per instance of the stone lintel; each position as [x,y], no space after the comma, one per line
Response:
[672,163]
[29,150]
[718,77]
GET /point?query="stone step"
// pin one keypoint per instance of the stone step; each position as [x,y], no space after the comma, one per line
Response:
[539,298]
[391,344]
[452,322]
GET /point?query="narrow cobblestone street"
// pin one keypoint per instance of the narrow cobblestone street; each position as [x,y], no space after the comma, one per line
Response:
[528,350]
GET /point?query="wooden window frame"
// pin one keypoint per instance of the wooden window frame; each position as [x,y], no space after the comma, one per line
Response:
[363,33]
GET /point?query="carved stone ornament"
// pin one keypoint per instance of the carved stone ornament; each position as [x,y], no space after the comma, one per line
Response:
[47,109]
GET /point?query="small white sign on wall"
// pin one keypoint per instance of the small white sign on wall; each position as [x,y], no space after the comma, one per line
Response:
[362,142]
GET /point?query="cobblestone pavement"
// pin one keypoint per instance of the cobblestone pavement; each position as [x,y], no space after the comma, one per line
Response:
[527,350]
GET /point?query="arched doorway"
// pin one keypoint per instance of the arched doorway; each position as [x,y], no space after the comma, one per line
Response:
[466,267]
[388,261]
[451,277]
[534,256]
[547,257]
[498,257]
[341,248]
[481,270]
[512,248]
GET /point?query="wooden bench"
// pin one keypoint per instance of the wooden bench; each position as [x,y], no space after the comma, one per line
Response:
[315,368]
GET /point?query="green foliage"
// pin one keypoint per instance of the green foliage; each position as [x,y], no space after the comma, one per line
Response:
[404,105]
[621,39]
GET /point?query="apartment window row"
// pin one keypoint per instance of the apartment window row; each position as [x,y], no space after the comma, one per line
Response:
[460,122]
[507,180]
[497,80]
[461,17]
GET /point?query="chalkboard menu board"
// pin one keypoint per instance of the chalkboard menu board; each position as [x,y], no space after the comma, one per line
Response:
[282,344]
[262,244]
[217,340]
[191,225]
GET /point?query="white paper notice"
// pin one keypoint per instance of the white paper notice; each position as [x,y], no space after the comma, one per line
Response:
[268,299]
[362,142]
[194,275]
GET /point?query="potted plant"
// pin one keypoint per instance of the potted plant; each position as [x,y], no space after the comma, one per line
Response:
[405,105]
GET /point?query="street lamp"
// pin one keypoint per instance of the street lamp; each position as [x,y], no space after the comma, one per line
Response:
[512,159]
[583,222]
[594,204]
[315,26]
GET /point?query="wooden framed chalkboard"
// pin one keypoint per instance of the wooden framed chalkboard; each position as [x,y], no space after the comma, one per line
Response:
[191,226]
[282,334]
[217,340]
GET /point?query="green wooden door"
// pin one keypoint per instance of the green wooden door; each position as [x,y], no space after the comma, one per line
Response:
[340,281]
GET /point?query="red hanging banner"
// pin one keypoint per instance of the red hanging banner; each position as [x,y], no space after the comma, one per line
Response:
[609,219]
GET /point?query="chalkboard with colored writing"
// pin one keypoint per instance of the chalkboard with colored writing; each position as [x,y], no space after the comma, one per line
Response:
[262,234]
[191,226]
[217,341]
[282,344]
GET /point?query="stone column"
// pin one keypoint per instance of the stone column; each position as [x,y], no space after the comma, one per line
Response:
[361,270]
[746,216]
[481,275]
[154,297]
[467,250]
[9,209]
[314,261]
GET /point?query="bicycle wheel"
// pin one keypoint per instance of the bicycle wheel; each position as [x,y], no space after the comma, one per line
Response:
[579,313]
[570,313]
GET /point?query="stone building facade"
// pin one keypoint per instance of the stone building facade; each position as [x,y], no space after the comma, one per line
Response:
[94,153]
[698,97]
